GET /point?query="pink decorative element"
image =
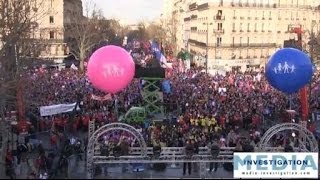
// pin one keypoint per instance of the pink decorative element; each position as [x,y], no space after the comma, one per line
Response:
[111,69]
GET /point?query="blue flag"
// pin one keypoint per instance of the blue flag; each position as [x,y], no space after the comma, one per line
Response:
[156,50]
[166,86]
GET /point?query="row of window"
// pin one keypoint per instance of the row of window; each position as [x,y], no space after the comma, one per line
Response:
[242,26]
[269,14]
[243,41]
[56,48]
[252,18]
[293,2]
[265,15]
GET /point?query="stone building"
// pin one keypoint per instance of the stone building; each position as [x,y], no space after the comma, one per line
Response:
[239,33]
[55,16]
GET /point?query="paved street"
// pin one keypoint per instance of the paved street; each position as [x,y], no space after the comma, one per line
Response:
[78,170]
[116,173]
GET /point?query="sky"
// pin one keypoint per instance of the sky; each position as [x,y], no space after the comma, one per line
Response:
[131,11]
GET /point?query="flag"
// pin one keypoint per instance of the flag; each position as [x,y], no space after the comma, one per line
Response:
[166,86]
[74,67]
[159,56]
[304,103]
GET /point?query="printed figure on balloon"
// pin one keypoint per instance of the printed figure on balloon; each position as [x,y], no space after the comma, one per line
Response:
[113,71]
[289,70]
[284,69]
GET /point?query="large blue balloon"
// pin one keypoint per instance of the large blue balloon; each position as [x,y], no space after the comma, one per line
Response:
[288,70]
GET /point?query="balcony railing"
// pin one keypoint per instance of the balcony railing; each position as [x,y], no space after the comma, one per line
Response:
[235,45]
[219,18]
[233,4]
[249,45]
[262,45]
[219,31]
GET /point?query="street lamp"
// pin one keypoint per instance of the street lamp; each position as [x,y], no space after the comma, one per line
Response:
[207,46]
[312,43]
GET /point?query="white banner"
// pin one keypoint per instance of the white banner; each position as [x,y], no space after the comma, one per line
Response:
[99,98]
[57,109]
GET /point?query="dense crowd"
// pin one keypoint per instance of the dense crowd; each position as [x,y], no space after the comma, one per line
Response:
[206,107]
[210,103]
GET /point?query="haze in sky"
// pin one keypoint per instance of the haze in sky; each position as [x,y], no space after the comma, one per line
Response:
[131,11]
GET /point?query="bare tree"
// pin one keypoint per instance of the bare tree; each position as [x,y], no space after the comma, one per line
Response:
[172,29]
[17,22]
[87,32]
[156,31]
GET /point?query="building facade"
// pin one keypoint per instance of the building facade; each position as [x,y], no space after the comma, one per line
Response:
[55,16]
[240,33]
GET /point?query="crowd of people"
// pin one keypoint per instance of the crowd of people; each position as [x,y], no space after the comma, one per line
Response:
[207,107]
[206,102]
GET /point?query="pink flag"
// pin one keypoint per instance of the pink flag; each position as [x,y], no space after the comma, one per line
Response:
[181,66]
[266,87]
[231,81]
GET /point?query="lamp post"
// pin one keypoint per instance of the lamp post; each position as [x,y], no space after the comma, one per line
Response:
[207,46]
[311,43]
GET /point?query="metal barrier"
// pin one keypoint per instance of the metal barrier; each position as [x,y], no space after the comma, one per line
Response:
[179,151]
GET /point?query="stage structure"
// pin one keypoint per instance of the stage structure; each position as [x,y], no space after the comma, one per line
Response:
[170,155]
[307,141]
[93,142]
[143,154]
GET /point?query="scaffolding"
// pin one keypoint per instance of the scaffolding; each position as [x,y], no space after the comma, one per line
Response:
[152,96]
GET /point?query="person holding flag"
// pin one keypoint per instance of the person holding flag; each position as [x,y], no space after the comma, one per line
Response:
[158,55]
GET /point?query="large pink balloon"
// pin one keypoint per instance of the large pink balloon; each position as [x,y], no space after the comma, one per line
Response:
[111,69]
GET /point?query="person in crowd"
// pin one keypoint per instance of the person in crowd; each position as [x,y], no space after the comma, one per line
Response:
[214,148]
[189,150]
